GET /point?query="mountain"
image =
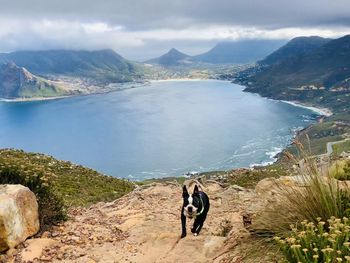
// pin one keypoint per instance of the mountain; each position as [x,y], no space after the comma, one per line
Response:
[321,75]
[17,82]
[239,52]
[102,65]
[296,47]
[172,58]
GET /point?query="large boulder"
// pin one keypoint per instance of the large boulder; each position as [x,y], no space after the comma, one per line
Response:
[19,217]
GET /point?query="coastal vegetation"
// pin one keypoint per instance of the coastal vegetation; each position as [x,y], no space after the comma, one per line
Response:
[340,170]
[310,219]
[310,242]
[341,147]
[58,185]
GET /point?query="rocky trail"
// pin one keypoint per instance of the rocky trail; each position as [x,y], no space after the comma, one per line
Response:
[144,226]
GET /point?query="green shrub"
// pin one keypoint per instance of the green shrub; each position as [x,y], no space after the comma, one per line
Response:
[340,170]
[75,184]
[51,207]
[309,242]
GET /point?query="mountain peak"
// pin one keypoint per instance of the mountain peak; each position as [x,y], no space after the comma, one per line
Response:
[9,68]
[172,58]
[295,47]
[174,51]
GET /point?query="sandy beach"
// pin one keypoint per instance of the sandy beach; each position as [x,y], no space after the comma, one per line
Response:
[319,110]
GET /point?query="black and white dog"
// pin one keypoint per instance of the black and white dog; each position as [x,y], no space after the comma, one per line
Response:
[195,206]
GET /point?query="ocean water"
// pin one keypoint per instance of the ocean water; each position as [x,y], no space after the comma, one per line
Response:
[166,128]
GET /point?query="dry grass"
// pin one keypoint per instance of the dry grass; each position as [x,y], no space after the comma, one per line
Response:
[312,197]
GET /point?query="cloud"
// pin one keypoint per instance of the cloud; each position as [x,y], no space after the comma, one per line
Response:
[146,14]
[140,29]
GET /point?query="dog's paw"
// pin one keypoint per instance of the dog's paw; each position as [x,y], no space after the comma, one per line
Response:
[183,235]
[195,234]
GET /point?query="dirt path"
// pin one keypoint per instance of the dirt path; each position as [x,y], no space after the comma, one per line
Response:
[144,226]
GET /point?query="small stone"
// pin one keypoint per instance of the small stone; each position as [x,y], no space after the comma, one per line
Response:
[55,234]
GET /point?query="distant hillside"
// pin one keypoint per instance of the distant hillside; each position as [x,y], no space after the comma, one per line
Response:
[296,47]
[172,58]
[239,52]
[102,65]
[17,82]
[321,75]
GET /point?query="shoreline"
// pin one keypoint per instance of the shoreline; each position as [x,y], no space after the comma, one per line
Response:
[177,80]
[36,98]
[131,85]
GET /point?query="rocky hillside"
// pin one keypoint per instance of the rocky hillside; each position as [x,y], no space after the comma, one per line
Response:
[144,226]
[318,74]
[18,82]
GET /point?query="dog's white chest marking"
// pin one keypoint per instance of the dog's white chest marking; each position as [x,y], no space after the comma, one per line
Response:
[193,210]
[190,200]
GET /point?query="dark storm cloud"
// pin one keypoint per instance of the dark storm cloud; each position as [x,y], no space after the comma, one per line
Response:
[150,14]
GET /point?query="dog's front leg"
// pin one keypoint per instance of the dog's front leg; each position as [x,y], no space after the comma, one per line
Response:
[183,224]
[196,225]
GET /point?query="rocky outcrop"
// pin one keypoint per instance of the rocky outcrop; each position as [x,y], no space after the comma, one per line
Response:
[18,82]
[19,217]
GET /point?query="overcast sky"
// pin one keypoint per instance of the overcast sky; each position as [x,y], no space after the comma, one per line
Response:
[141,29]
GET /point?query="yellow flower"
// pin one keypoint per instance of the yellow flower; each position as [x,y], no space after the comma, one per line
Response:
[327,249]
[291,240]
[295,246]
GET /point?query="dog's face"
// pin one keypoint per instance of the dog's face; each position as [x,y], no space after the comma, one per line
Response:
[191,202]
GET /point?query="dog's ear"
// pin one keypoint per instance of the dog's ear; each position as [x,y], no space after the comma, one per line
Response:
[195,191]
[184,191]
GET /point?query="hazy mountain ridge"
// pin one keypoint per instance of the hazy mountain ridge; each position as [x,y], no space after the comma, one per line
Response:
[228,52]
[101,65]
[239,52]
[17,82]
